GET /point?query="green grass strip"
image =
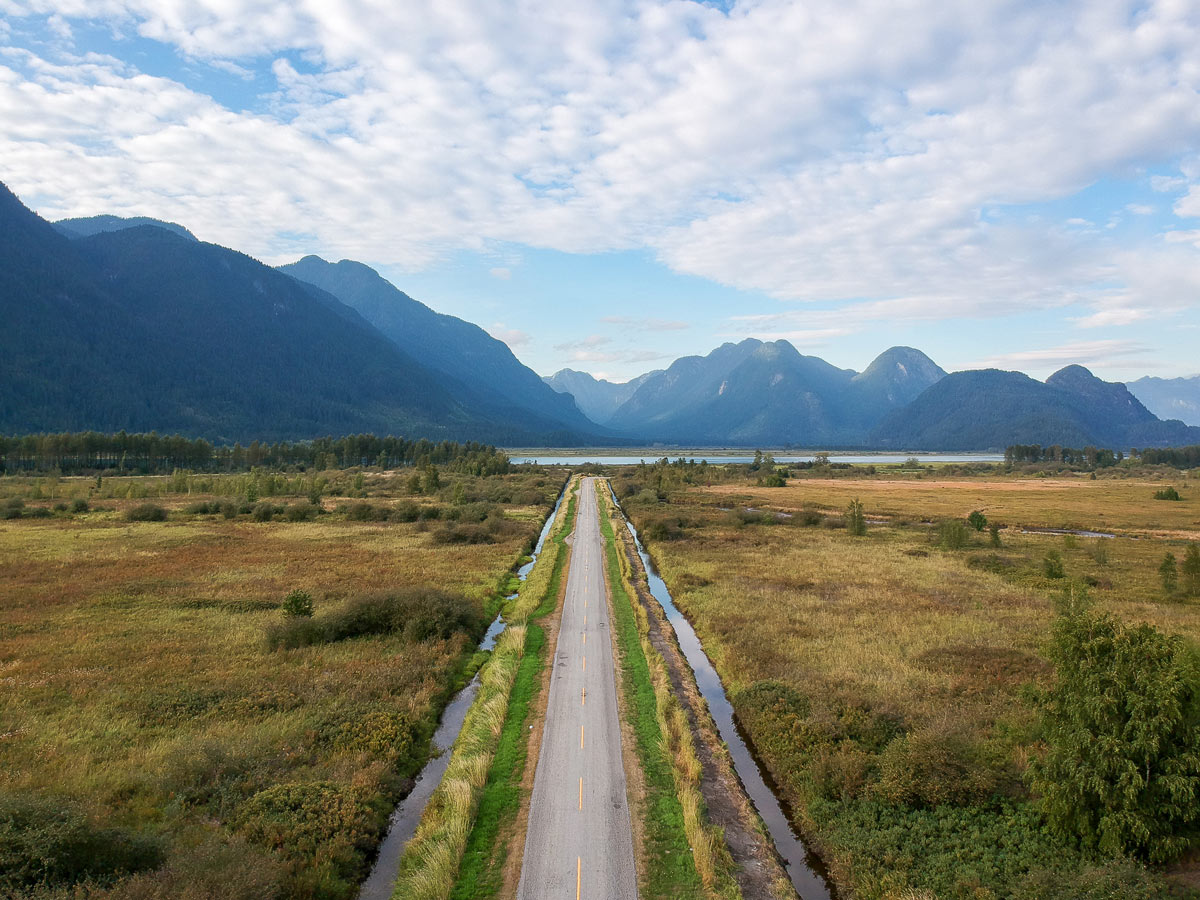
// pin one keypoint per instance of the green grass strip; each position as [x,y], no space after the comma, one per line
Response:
[671,871]
[483,862]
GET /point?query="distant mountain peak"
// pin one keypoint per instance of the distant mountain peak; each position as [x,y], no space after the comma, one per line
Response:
[89,225]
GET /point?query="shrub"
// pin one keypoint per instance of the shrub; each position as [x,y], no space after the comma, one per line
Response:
[317,822]
[263,512]
[977,520]
[1169,573]
[229,510]
[146,512]
[1052,565]
[1117,880]
[297,604]
[462,534]
[211,871]
[300,512]
[936,764]
[52,842]
[952,534]
[1191,568]
[856,519]
[1122,728]
[1167,493]
[406,512]
[1098,550]
[79,506]
[293,633]
[994,534]
[11,508]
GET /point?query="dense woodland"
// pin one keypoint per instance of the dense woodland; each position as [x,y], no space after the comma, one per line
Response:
[92,452]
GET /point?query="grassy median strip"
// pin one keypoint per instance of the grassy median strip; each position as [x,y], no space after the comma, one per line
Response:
[481,784]
[683,854]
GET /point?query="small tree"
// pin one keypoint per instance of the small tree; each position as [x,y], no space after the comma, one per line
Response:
[952,535]
[977,520]
[856,519]
[1122,723]
[1168,493]
[1168,572]
[1191,569]
[994,534]
[1052,565]
[298,605]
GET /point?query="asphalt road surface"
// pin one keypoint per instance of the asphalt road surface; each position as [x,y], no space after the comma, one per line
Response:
[579,843]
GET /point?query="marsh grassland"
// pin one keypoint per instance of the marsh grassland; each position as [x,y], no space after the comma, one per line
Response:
[165,732]
[889,681]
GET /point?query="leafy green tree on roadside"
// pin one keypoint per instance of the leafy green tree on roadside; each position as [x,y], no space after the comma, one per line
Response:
[1122,726]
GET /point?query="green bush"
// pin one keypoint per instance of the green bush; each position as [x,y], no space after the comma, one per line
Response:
[146,512]
[1169,573]
[936,764]
[230,870]
[298,604]
[417,615]
[1191,569]
[325,826]
[1168,493]
[463,534]
[856,518]
[293,633]
[1118,880]
[300,512]
[952,534]
[263,512]
[977,520]
[1122,727]
[1052,565]
[52,842]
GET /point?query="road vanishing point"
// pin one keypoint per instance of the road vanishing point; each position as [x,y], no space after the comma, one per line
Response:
[579,842]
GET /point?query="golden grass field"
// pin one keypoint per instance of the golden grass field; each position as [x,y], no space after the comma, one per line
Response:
[888,631]
[135,679]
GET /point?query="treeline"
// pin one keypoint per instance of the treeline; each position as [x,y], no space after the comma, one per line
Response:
[93,452]
[1088,457]
[1179,457]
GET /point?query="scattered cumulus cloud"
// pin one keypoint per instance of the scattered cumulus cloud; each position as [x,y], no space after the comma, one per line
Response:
[832,151]
[1084,353]
[500,272]
[590,342]
[511,336]
[646,324]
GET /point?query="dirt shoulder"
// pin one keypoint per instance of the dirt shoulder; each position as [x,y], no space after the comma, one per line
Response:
[759,874]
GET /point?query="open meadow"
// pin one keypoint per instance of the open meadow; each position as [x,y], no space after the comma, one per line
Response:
[165,730]
[889,680]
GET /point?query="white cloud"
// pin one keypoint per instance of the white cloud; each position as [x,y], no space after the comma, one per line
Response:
[1164,184]
[1084,353]
[501,273]
[1189,204]
[511,336]
[824,151]
[1140,209]
[646,324]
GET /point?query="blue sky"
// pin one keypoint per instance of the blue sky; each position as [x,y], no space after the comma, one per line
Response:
[610,185]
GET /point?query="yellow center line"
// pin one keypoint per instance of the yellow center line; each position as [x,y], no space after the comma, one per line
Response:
[580,737]
[578,875]
[585,637]
[581,792]
[583,698]
[585,664]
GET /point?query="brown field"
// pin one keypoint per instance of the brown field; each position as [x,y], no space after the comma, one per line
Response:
[832,646]
[137,690]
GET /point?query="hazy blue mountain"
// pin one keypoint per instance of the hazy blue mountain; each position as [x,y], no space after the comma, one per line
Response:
[461,350]
[1170,398]
[89,225]
[990,409]
[142,329]
[769,393]
[598,398]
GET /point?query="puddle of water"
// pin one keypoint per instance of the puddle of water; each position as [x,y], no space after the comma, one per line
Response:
[407,815]
[1086,534]
[805,869]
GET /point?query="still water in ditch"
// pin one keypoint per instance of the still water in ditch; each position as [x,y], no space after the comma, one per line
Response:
[407,815]
[806,871]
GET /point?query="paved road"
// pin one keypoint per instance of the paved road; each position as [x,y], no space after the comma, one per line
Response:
[579,842]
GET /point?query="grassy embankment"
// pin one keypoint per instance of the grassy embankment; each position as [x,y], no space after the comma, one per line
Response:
[146,728]
[457,846]
[686,856]
[887,681]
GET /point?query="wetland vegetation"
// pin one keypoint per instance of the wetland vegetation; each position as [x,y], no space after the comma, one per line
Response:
[892,658]
[165,729]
